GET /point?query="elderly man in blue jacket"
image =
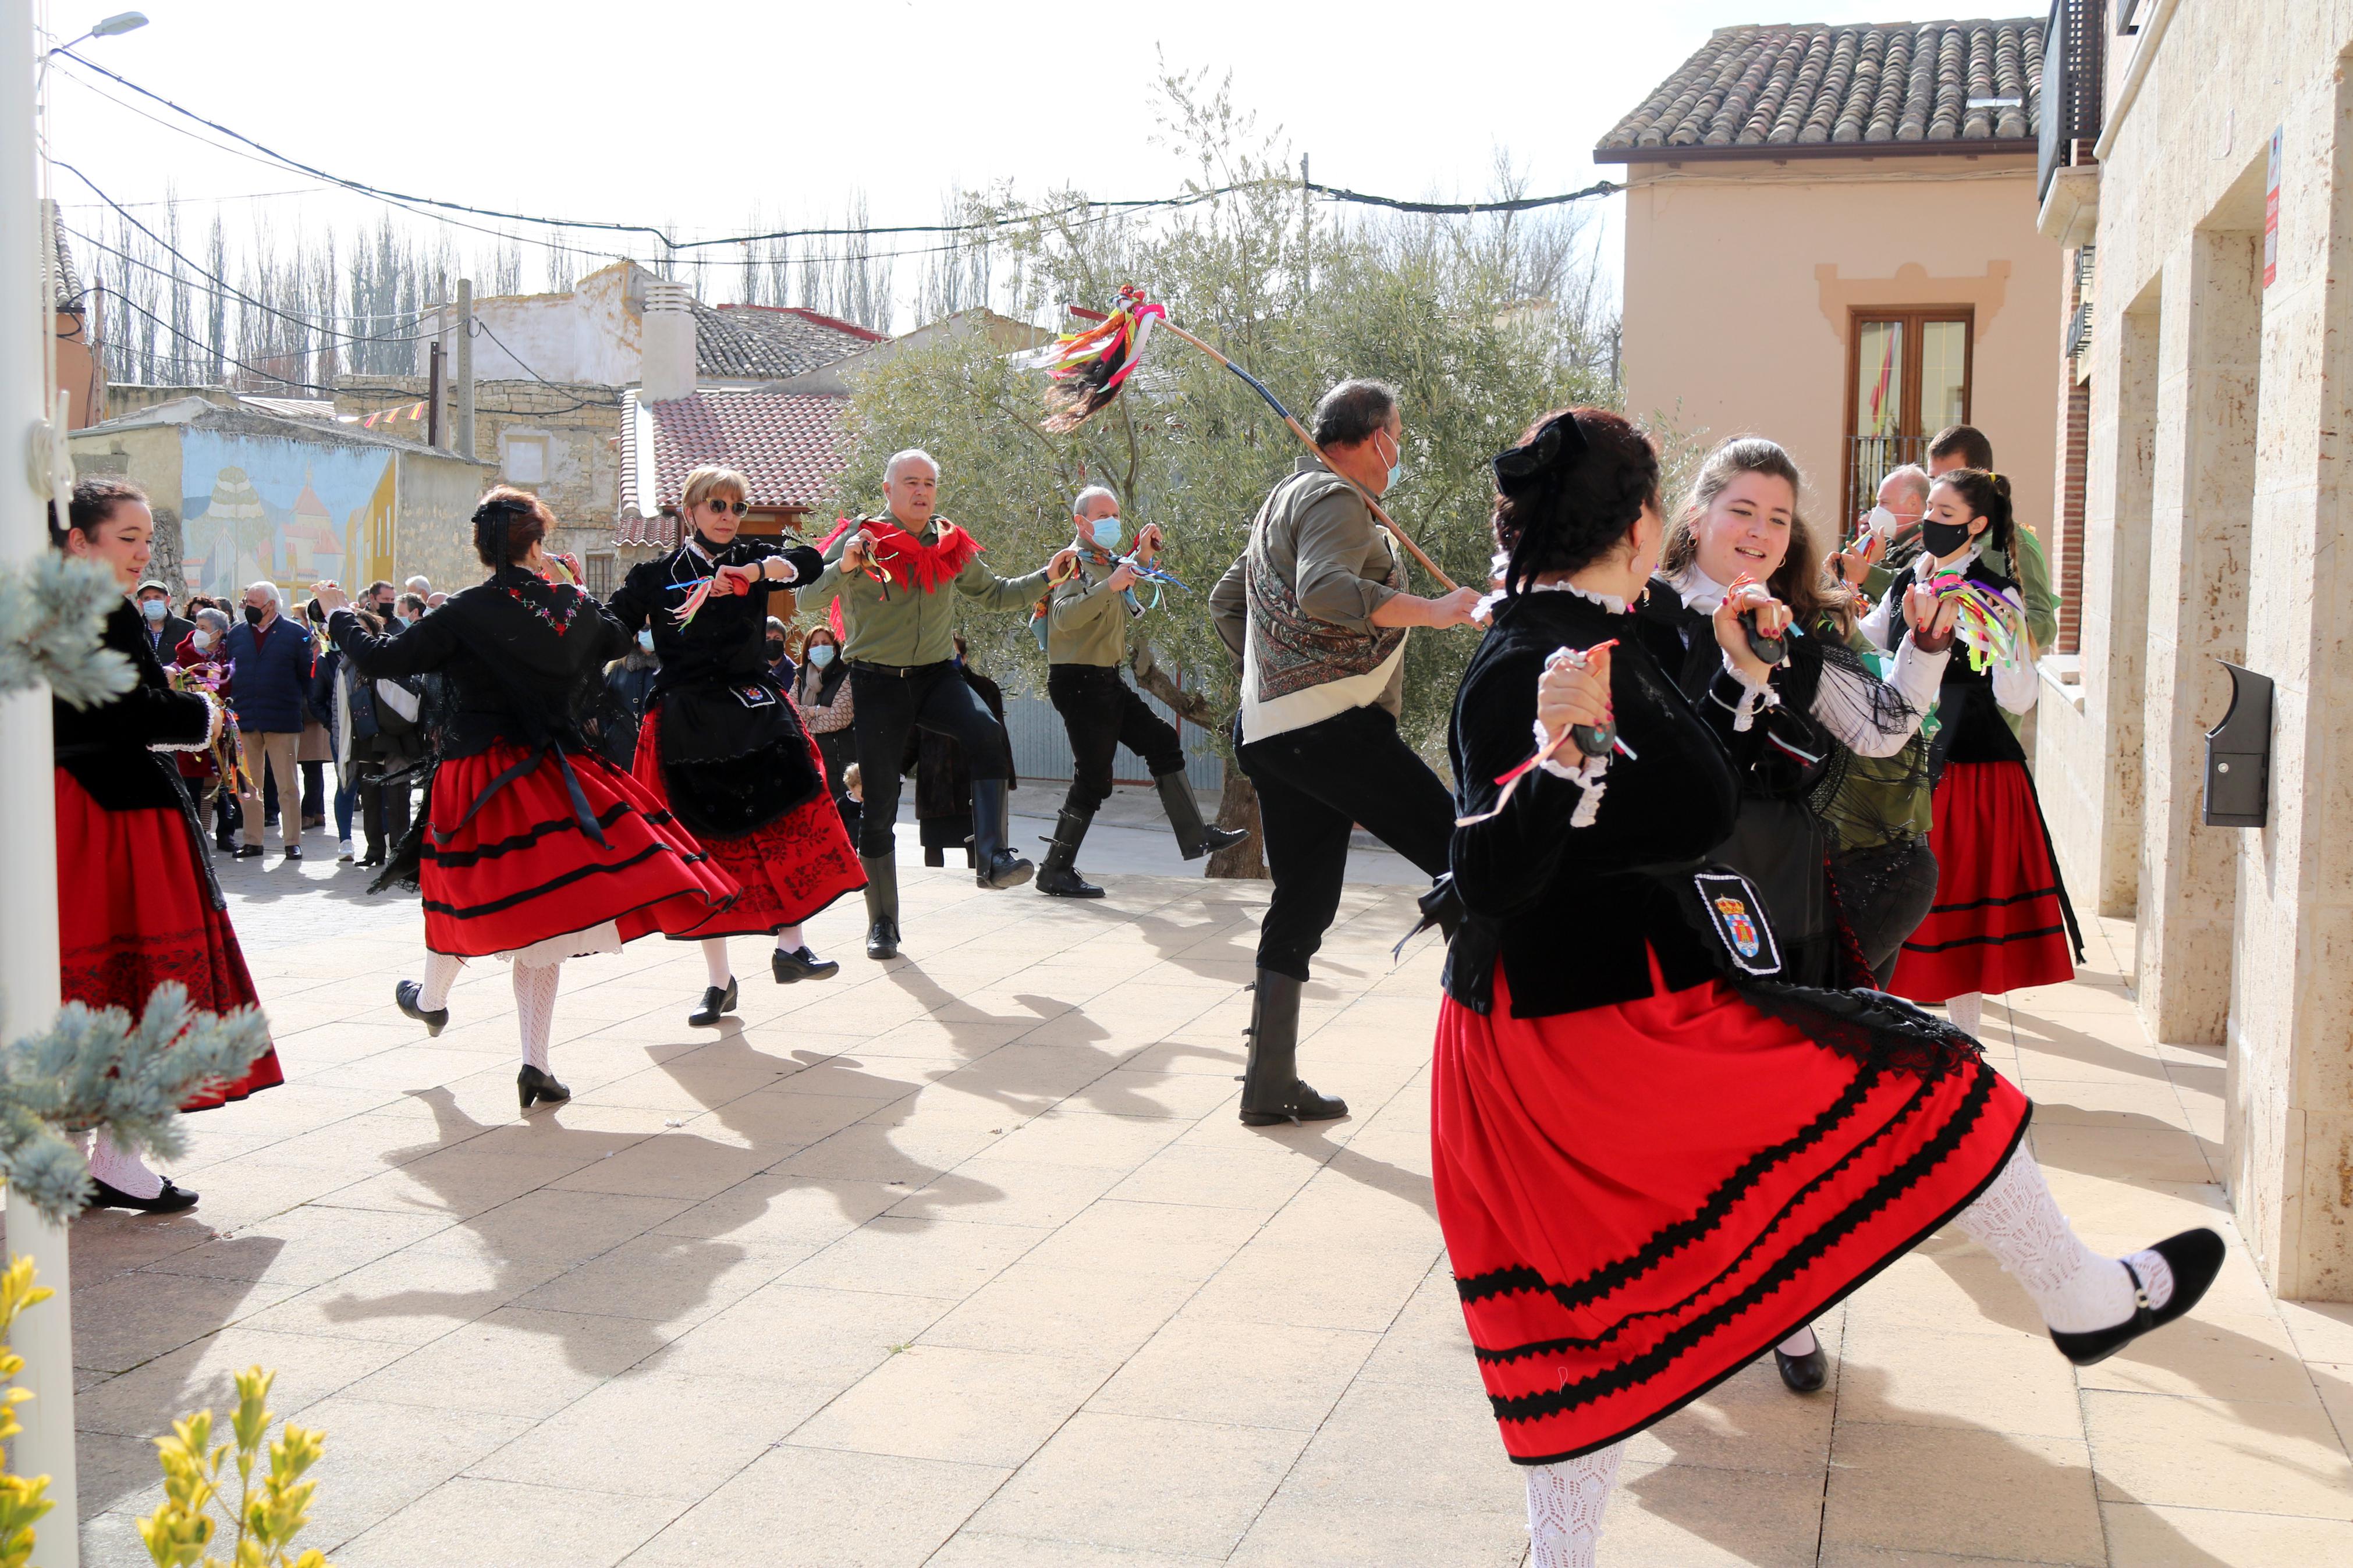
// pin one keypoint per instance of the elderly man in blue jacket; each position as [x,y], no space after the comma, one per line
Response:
[273,659]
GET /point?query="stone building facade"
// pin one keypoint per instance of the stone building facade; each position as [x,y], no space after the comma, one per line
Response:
[2217,195]
[561,442]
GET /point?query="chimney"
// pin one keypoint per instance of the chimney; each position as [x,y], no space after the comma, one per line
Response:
[668,341]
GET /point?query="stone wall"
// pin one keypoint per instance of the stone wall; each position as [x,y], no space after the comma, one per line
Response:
[2216,516]
[568,435]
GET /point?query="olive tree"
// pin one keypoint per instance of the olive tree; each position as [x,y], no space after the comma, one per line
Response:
[1480,323]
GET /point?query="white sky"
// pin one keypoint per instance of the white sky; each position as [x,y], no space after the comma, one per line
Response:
[691,111]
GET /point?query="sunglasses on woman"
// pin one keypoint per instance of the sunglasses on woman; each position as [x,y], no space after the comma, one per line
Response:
[737,507]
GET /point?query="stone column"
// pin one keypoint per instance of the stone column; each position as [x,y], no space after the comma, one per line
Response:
[2288,1138]
[2201,499]
[2105,873]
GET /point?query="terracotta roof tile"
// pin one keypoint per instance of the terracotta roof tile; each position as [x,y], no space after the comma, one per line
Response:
[789,445]
[767,343]
[1802,84]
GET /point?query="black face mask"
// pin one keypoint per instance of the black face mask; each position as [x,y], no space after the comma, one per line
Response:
[1941,539]
[776,651]
[253,614]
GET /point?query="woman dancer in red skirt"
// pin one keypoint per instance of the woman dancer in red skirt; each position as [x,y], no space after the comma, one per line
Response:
[137,904]
[531,846]
[2001,919]
[722,745]
[1652,1159]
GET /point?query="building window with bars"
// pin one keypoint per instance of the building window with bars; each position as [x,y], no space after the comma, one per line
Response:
[1907,377]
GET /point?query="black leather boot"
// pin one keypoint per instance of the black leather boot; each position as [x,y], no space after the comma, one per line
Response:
[1272,1092]
[1194,836]
[882,905]
[995,864]
[1058,877]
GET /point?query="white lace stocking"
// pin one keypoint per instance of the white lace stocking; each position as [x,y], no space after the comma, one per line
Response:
[440,973]
[2075,1288]
[789,940]
[1565,1505]
[123,1170]
[534,991]
[1800,1343]
[714,959]
[1966,1012]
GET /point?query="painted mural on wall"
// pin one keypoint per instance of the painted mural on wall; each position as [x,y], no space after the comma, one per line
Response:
[290,511]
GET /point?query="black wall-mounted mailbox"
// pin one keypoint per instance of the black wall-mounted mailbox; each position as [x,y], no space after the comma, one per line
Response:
[2239,754]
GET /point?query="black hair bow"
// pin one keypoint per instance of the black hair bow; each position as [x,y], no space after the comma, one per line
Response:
[1553,448]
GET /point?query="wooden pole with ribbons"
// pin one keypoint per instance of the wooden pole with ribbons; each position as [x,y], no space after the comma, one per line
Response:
[1309,442]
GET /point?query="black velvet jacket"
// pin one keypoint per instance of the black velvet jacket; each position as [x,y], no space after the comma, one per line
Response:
[734,755]
[727,640]
[1969,725]
[521,657]
[1569,912]
[1684,642]
[106,747]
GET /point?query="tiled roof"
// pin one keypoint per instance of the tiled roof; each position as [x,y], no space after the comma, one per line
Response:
[789,445]
[764,342]
[1904,87]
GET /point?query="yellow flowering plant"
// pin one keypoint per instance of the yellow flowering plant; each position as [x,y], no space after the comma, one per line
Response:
[23,1498]
[268,1515]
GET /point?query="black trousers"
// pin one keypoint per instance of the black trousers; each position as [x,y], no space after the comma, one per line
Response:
[1103,713]
[1314,785]
[925,697]
[384,815]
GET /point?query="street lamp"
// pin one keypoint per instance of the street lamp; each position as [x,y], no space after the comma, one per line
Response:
[122,21]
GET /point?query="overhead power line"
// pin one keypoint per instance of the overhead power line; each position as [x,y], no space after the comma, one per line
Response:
[1515,205]
[671,245]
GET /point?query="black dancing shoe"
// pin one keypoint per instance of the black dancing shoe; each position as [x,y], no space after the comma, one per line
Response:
[531,1084]
[2195,1257]
[801,964]
[716,1003]
[404,994]
[1803,1374]
[171,1200]
[883,937]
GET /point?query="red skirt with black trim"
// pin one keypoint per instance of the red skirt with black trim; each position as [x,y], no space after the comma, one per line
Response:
[1640,1199]
[1999,921]
[523,872]
[789,870]
[133,911]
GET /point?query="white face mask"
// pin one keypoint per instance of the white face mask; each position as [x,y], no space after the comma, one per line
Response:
[1883,522]
[203,640]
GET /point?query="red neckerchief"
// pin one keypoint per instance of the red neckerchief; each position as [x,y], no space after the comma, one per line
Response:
[907,558]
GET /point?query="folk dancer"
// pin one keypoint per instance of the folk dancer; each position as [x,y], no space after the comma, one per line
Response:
[1653,1157]
[1315,613]
[137,903]
[721,743]
[1087,617]
[889,578]
[531,846]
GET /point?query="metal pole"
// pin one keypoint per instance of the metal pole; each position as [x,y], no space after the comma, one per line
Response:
[1306,227]
[28,850]
[441,367]
[433,397]
[465,369]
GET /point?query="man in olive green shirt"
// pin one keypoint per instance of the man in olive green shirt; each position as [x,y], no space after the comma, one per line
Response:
[1087,619]
[891,575]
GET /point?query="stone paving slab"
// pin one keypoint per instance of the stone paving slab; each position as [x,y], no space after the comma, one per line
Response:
[963,1261]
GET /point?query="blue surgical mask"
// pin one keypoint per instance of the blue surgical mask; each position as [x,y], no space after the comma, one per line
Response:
[646,639]
[1397,470]
[154,609]
[822,655]
[1106,532]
